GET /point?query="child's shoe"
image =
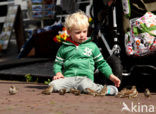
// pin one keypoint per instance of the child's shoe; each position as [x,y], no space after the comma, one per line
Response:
[111,90]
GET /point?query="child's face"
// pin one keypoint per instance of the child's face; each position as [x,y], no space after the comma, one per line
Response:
[78,35]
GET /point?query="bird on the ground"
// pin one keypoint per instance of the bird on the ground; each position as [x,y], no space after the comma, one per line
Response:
[62,91]
[133,92]
[75,91]
[103,91]
[130,93]
[122,93]
[12,90]
[91,92]
[147,93]
[48,90]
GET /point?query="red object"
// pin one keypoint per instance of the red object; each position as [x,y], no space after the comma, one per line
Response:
[55,39]
[69,39]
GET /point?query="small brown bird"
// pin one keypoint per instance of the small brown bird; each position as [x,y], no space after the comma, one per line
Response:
[72,90]
[130,93]
[103,91]
[122,93]
[147,93]
[12,90]
[75,91]
[91,92]
[62,91]
[48,90]
[133,92]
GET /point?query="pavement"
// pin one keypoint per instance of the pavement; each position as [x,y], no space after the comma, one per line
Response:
[29,100]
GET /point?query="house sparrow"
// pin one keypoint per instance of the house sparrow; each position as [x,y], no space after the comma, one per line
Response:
[103,91]
[147,93]
[130,93]
[62,91]
[122,93]
[133,92]
[75,91]
[48,90]
[91,92]
[12,90]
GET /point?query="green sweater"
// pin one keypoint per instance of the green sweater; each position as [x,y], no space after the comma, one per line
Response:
[80,60]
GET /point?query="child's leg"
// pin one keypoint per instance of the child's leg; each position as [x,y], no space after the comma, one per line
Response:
[88,83]
[62,83]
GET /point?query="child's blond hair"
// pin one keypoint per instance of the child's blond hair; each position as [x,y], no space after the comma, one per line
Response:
[76,20]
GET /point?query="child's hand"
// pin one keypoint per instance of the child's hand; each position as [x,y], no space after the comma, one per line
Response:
[58,76]
[115,79]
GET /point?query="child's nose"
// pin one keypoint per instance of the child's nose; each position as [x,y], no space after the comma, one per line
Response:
[81,34]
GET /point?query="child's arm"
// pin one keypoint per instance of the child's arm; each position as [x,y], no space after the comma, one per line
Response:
[104,67]
[58,76]
[57,67]
[115,79]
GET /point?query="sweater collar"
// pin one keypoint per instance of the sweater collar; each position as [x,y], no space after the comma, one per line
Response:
[70,42]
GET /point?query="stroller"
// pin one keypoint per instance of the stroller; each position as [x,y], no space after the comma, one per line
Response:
[112,24]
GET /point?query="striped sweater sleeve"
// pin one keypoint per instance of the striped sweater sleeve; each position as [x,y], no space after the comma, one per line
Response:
[57,67]
[101,63]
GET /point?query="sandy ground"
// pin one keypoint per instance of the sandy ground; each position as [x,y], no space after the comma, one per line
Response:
[29,100]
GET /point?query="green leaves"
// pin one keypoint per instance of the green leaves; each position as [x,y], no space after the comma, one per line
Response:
[47,82]
[28,77]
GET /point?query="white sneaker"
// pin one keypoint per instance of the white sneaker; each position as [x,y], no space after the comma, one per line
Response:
[111,90]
